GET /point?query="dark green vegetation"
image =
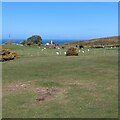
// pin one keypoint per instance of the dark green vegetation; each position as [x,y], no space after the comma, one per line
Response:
[84,86]
[35,39]
[71,52]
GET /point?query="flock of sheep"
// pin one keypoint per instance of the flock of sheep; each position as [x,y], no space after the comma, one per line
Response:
[63,52]
[59,52]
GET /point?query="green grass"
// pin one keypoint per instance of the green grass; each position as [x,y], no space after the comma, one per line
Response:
[90,81]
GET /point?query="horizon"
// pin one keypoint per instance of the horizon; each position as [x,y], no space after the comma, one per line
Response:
[63,20]
[55,40]
[62,39]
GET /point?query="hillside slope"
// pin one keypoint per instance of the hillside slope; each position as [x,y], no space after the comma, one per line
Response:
[98,41]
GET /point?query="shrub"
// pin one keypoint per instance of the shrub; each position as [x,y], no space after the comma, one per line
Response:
[29,43]
[81,46]
[62,46]
[35,39]
[14,54]
[7,55]
[71,52]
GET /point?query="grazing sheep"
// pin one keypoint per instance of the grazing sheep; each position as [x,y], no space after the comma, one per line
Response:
[42,49]
[83,51]
[65,53]
[57,53]
[88,50]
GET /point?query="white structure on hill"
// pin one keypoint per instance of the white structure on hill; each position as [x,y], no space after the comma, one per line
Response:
[52,44]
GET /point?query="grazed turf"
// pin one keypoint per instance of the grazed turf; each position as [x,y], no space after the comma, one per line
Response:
[88,83]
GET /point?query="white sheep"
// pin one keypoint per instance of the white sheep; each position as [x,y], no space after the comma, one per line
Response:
[65,53]
[88,50]
[83,51]
[57,53]
[44,48]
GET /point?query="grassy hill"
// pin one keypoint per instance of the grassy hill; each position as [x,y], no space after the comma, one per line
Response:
[98,41]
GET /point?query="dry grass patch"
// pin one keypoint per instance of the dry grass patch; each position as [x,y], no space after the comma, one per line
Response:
[16,86]
[41,94]
[46,94]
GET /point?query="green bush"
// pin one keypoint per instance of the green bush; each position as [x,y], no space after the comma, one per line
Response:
[29,43]
[71,52]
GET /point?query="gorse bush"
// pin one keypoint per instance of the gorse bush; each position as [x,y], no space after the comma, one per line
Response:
[29,43]
[71,52]
[7,54]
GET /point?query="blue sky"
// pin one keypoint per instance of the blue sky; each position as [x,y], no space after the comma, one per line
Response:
[60,20]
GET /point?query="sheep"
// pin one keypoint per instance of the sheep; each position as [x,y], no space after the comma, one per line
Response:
[44,48]
[83,51]
[65,53]
[57,53]
[88,50]
[79,50]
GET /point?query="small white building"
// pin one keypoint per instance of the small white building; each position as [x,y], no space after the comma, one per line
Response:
[52,44]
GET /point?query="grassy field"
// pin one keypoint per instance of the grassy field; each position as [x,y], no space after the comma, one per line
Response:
[85,86]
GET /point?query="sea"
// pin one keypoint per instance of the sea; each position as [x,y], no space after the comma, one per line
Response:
[44,41]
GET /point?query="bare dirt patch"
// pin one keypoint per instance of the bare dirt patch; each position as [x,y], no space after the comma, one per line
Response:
[44,94]
[15,87]
[41,93]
